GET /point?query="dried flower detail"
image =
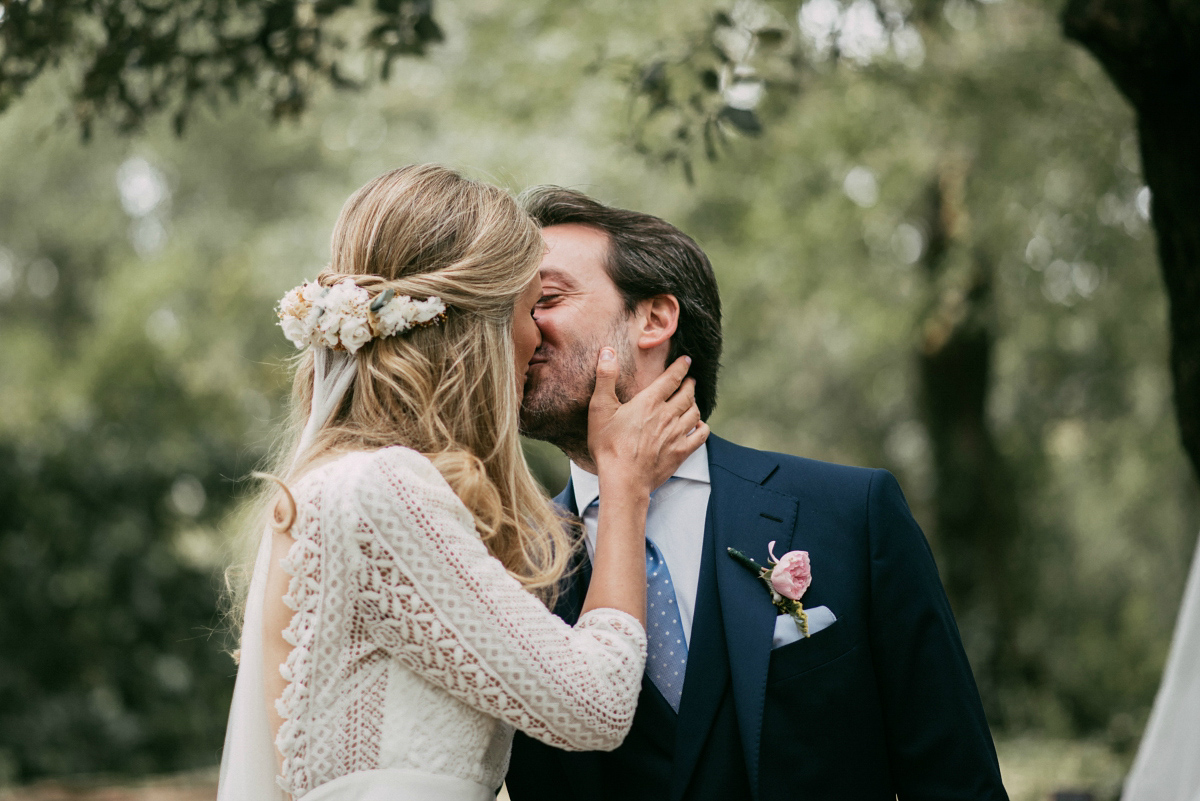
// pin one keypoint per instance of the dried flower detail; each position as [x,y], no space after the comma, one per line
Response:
[786,578]
[344,317]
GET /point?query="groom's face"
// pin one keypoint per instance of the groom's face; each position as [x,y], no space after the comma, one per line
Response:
[580,312]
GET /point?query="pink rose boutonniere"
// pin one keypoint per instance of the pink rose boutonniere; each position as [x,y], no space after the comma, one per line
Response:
[787,578]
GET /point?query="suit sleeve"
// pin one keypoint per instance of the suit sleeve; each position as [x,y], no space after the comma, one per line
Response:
[939,743]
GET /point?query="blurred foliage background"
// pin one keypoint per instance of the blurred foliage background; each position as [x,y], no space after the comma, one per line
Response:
[931,235]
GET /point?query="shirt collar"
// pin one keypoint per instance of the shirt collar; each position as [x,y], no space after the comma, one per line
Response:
[587,485]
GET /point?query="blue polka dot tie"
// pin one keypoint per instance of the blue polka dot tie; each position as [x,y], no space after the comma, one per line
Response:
[666,658]
[666,647]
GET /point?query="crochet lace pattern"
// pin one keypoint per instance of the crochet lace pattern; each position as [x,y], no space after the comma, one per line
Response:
[413,647]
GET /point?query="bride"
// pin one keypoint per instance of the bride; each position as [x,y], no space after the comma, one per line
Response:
[396,628]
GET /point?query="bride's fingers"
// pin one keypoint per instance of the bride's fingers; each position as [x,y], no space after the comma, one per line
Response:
[694,438]
[684,397]
[684,422]
[666,384]
[689,419]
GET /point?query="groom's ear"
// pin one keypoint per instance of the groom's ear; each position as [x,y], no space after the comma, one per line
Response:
[657,318]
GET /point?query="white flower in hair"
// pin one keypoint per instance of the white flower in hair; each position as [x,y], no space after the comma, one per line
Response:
[298,313]
[344,316]
[312,292]
[396,315]
[428,310]
[355,332]
[328,327]
[346,298]
[296,330]
[346,320]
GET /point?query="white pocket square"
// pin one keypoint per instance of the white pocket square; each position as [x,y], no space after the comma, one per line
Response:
[787,630]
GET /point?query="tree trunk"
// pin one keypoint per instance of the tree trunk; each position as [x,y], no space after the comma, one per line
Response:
[975,517]
[1151,50]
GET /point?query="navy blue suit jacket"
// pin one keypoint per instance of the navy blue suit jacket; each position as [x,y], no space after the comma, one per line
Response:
[880,704]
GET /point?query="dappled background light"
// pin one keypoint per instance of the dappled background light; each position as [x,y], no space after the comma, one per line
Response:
[856,32]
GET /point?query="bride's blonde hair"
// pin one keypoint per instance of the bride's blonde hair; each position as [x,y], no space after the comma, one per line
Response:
[447,390]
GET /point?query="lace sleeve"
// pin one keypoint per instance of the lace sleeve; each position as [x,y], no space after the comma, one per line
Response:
[431,595]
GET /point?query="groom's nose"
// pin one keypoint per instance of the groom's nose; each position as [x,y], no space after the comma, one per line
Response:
[543,323]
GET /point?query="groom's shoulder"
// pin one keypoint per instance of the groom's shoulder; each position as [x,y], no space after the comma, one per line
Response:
[791,474]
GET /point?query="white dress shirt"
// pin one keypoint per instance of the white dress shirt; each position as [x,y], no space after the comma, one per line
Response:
[674,522]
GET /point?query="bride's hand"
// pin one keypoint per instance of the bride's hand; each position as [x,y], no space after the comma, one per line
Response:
[640,444]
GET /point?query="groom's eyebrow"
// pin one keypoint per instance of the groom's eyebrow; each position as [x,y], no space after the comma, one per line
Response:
[555,274]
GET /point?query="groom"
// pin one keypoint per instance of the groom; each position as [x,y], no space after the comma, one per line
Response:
[877,702]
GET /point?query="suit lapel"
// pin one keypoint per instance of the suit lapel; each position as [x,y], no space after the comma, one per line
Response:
[575,586]
[566,498]
[747,516]
[735,619]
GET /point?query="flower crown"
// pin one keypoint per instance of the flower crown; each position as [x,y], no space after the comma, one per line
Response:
[343,316]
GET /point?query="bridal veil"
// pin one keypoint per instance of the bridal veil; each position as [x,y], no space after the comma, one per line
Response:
[1167,767]
[248,762]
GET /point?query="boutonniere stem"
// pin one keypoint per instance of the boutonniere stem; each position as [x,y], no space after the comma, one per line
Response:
[786,578]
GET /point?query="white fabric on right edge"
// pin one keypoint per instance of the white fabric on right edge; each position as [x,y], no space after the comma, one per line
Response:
[1167,767]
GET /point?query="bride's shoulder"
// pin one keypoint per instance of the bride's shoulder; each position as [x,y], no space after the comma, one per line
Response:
[367,469]
[383,480]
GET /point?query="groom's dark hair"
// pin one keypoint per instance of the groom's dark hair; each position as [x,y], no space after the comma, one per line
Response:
[648,256]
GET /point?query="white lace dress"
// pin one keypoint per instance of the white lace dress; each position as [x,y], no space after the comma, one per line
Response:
[415,655]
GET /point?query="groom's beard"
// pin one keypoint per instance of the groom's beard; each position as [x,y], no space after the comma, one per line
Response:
[558,391]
